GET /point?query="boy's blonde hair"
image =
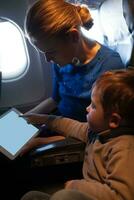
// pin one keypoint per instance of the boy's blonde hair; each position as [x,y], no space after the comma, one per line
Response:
[50,18]
[116,92]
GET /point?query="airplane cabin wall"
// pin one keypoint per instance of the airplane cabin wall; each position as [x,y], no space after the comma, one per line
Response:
[36,85]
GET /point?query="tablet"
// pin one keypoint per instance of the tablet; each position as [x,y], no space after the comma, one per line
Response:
[15,132]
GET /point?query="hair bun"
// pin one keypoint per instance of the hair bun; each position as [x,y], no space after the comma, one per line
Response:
[85,16]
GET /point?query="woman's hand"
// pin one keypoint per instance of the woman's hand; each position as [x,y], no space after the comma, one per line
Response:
[34,142]
[38,141]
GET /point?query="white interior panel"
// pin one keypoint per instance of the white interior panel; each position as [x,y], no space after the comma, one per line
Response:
[35,85]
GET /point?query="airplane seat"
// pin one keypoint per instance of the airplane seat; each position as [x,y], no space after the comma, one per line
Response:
[114,29]
[127,51]
[65,151]
[128,12]
[131,61]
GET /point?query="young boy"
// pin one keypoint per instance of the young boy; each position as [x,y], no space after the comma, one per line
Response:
[109,137]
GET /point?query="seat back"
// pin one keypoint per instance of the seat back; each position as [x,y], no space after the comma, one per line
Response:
[128,12]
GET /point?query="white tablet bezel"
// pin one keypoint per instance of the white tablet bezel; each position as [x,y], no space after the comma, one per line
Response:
[5,151]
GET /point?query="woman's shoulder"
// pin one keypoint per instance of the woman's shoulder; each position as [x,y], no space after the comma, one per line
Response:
[107,50]
[110,57]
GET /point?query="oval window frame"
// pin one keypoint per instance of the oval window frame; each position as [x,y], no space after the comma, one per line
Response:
[16,73]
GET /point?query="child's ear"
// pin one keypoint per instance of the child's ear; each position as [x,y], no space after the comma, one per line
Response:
[74,35]
[115,120]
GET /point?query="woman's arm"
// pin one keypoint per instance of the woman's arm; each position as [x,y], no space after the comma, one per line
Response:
[46,106]
[38,141]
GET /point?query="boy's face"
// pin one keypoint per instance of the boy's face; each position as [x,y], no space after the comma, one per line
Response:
[95,117]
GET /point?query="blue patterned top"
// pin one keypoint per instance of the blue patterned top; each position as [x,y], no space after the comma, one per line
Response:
[72,84]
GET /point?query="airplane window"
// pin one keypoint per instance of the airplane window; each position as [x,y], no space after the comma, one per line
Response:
[14,59]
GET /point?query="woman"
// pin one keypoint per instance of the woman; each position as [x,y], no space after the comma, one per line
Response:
[54,27]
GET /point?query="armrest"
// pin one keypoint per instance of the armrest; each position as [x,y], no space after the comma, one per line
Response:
[65,151]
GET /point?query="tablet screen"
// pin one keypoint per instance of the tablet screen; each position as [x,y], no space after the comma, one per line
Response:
[15,132]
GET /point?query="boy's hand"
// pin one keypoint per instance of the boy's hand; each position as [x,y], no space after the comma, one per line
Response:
[69,184]
[33,118]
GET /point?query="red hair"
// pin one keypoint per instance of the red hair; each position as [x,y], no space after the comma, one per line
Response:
[116,91]
[49,18]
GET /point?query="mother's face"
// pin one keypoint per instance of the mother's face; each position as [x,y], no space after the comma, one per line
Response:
[55,50]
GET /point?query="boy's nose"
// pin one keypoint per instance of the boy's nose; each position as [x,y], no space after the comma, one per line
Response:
[88,109]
